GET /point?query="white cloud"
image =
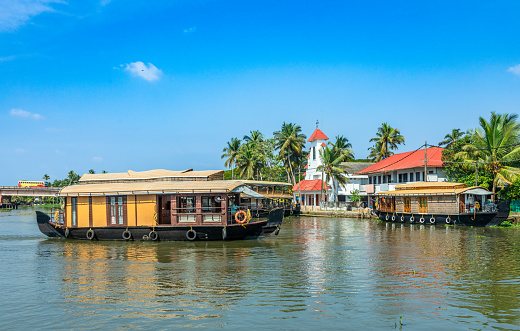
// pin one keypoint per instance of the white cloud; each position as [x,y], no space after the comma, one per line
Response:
[14,13]
[515,69]
[190,30]
[25,114]
[149,73]
[104,2]
[97,159]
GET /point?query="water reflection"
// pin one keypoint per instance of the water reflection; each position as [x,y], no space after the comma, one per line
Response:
[318,272]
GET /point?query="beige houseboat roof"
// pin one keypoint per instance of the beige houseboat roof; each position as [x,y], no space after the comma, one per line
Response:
[150,174]
[139,188]
[264,183]
[434,188]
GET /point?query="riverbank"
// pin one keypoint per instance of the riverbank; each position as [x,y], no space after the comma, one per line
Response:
[359,213]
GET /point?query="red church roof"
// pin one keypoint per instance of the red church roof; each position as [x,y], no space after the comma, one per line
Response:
[310,185]
[323,144]
[306,166]
[317,134]
[407,160]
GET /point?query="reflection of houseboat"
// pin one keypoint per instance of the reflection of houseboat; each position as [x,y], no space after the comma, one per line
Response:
[437,202]
[160,205]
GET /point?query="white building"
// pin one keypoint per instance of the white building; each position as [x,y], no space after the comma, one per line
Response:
[405,168]
[311,186]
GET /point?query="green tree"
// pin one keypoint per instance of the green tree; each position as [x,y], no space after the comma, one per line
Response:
[231,152]
[73,177]
[104,172]
[331,159]
[452,138]
[495,144]
[247,161]
[344,147]
[289,143]
[46,177]
[387,139]
[254,138]
[91,171]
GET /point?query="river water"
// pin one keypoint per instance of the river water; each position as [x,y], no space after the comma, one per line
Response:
[337,273]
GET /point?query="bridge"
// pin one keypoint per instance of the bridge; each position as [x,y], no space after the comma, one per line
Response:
[6,192]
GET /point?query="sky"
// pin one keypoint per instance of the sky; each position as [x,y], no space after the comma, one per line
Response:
[116,85]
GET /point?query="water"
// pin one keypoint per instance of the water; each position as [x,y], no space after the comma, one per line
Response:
[319,272]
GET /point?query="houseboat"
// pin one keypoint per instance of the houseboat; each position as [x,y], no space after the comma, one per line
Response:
[440,203]
[275,195]
[159,205]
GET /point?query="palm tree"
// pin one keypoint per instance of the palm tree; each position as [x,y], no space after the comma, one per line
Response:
[388,138]
[91,171]
[289,142]
[342,145]
[254,138]
[452,138]
[104,172]
[495,144]
[46,177]
[376,152]
[331,159]
[73,177]
[231,152]
[246,161]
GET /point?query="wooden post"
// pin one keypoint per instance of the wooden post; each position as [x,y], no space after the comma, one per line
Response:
[425,161]
[476,172]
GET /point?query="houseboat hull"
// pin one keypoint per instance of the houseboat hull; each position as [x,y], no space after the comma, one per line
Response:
[256,228]
[468,219]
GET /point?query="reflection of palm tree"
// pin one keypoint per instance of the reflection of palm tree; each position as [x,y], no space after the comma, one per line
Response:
[231,152]
[290,142]
[387,138]
[331,159]
[451,138]
[494,144]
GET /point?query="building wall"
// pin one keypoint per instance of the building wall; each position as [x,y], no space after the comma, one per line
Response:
[99,212]
[68,217]
[443,205]
[131,211]
[146,207]
[83,212]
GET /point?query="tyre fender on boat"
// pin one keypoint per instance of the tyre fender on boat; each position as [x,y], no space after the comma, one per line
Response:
[127,235]
[421,220]
[191,234]
[387,217]
[224,233]
[393,218]
[432,220]
[412,219]
[90,234]
[153,235]
[448,220]
[67,232]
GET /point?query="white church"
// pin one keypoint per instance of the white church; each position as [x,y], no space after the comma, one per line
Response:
[310,188]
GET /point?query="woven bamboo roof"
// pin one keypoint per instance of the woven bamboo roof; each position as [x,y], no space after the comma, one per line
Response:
[137,188]
[264,183]
[430,185]
[437,191]
[157,173]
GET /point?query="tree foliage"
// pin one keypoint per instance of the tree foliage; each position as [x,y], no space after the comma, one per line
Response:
[386,139]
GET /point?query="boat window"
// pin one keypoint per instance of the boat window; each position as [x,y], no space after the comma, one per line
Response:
[186,205]
[74,220]
[407,205]
[211,204]
[119,210]
[113,210]
[423,204]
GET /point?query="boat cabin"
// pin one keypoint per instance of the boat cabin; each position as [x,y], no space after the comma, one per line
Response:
[435,198]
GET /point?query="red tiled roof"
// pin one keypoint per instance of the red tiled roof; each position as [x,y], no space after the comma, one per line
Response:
[317,134]
[306,166]
[323,144]
[309,155]
[407,160]
[310,185]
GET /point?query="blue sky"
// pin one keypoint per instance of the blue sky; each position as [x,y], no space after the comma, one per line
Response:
[116,85]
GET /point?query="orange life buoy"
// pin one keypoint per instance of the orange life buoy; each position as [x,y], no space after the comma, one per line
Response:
[244,219]
[260,206]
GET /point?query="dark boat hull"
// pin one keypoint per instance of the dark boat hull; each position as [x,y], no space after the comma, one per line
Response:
[469,219]
[254,229]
